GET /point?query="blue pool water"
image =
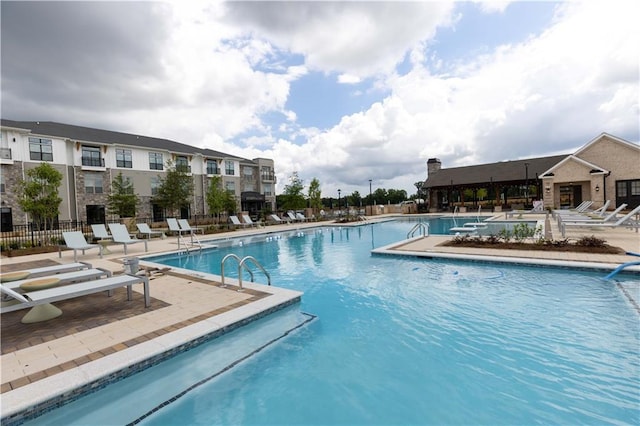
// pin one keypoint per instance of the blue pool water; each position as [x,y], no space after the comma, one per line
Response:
[413,341]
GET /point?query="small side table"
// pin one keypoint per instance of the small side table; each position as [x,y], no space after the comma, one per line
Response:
[104,244]
[43,312]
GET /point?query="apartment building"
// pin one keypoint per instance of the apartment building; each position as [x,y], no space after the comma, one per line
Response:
[89,159]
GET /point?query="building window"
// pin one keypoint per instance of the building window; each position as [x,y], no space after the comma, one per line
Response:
[93,183]
[182,164]
[155,161]
[91,156]
[155,184]
[267,189]
[212,167]
[2,187]
[124,158]
[266,173]
[635,188]
[247,171]
[229,168]
[230,186]
[249,187]
[40,149]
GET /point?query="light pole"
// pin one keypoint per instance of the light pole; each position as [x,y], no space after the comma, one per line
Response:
[339,212]
[370,200]
[526,183]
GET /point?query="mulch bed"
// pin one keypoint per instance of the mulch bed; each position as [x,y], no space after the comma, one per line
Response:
[606,249]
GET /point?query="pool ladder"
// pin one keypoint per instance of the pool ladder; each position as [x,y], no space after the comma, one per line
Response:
[242,263]
[420,226]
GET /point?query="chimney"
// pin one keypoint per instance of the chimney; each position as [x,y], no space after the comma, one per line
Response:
[433,165]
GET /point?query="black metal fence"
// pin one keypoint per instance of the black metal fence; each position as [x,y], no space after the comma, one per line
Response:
[34,235]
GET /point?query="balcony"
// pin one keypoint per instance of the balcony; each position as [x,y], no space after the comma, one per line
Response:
[213,171]
[93,162]
[268,177]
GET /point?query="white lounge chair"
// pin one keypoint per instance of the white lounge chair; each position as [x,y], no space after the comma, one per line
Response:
[236,221]
[624,221]
[538,208]
[581,218]
[144,229]
[292,216]
[301,217]
[44,271]
[247,219]
[65,277]
[173,225]
[75,240]
[100,232]
[54,294]
[121,236]
[276,218]
[581,208]
[186,227]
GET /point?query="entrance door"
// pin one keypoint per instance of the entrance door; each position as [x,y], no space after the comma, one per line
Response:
[6,219]
[570,196]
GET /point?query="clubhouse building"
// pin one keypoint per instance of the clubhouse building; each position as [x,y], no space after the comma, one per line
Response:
[605,168]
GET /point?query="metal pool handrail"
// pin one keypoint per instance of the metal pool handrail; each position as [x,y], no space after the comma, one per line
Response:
[242,264]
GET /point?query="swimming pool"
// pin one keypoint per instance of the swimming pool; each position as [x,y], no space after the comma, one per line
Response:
[409,341]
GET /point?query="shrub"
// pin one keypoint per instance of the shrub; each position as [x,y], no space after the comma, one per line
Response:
[591,241]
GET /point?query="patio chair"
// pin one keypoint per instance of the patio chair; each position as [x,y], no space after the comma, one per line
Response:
[65,277]
[172,222]
[121,236]
[75,240]
[144,229]
[292,216]
[581,218]
[301,217]
[247,219]
[625,221]
[186,227]
[236,221]
[46,296]
[100,232]
[44,271]
[275,218]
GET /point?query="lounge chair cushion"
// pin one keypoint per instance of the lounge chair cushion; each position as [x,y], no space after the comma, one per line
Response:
[14,276]
[40,284]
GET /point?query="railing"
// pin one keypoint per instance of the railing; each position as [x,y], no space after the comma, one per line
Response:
[420,226]
[242,264]
[92,162]
[31,235]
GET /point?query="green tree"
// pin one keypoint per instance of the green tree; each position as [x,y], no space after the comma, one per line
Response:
[354,199]
[293,198]
[315,195]
[175,190]
[38,195]
[122,199]
[218,199]
[397,196]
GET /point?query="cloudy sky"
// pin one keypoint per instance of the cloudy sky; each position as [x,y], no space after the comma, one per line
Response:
[340,91]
